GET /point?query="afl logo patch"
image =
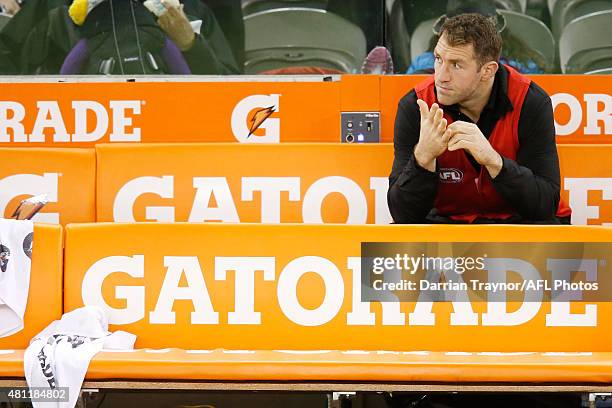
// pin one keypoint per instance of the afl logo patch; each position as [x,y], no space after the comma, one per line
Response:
[450,175]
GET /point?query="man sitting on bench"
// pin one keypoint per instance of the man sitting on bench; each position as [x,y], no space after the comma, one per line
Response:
[475,142]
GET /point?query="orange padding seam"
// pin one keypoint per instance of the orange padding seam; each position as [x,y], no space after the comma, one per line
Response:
[353,365]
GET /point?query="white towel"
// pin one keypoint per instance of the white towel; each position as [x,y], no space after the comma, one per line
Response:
[15,262]
[59,355]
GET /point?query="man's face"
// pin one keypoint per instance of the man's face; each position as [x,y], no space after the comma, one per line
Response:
[457,72]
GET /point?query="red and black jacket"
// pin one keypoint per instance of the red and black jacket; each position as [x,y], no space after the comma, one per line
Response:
[464,193]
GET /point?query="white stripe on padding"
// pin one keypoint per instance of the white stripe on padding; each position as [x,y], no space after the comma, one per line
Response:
[239,351]
[303,351]
[562,354]
[503,353]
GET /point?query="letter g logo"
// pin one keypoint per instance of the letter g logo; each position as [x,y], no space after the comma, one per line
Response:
[253,113]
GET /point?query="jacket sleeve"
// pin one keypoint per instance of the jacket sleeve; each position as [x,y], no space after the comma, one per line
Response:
[210,53]
[412,189]
[532,182]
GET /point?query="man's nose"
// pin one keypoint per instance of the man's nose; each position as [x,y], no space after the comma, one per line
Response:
[443,73]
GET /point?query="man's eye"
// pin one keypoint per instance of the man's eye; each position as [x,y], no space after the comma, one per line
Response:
[456,66]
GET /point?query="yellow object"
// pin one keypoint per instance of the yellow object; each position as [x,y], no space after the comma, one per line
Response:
[78,11]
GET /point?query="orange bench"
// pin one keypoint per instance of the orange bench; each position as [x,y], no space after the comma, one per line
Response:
[229,306]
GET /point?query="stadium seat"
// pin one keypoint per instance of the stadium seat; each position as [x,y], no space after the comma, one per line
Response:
[531,31]
[586,45]
[565,11]
[423,33]
[294,37]
[421,37]
[400,38]
[255,6]
[4,19]
[515,5]
[603,71]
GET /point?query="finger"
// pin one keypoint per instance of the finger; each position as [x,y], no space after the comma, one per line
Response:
[448,133]
[462,126]
[441,126]
[439,113]
[458,136]
[437,116]
[434,109]
[462,144]
[423,109]
[456,145]
[162,20]
[174,11]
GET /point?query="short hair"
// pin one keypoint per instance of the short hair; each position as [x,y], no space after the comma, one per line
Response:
[475,29]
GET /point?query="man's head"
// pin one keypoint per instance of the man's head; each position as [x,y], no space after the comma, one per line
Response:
[466,57]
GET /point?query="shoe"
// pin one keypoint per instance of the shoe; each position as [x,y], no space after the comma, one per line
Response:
[378,62]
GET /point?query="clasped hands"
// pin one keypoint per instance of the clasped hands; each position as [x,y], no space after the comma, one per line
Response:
[436,136]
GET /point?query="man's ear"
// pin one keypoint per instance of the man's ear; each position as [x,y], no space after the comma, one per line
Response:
[489,70]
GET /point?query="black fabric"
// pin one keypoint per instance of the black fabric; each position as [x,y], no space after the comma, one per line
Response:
[40,36]
[417,11]
[228,14]
[531,184]
[496,400]
[211,54]
[14,34]
[132,43]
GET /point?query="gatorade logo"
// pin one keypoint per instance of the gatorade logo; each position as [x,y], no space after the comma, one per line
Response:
[591,118]
[25,185]
[254,113]
[92,121]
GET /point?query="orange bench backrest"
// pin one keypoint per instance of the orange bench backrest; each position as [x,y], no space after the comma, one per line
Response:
[329,183]
[67,176]
[175,285]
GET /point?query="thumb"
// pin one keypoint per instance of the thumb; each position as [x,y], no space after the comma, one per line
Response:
[423,108]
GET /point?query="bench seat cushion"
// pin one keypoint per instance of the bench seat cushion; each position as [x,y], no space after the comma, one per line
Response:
[352,365]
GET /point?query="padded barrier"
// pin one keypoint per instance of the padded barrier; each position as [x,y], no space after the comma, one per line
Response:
[67,176]
[222,110]
[175,285]
[350,365]
[310,183]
